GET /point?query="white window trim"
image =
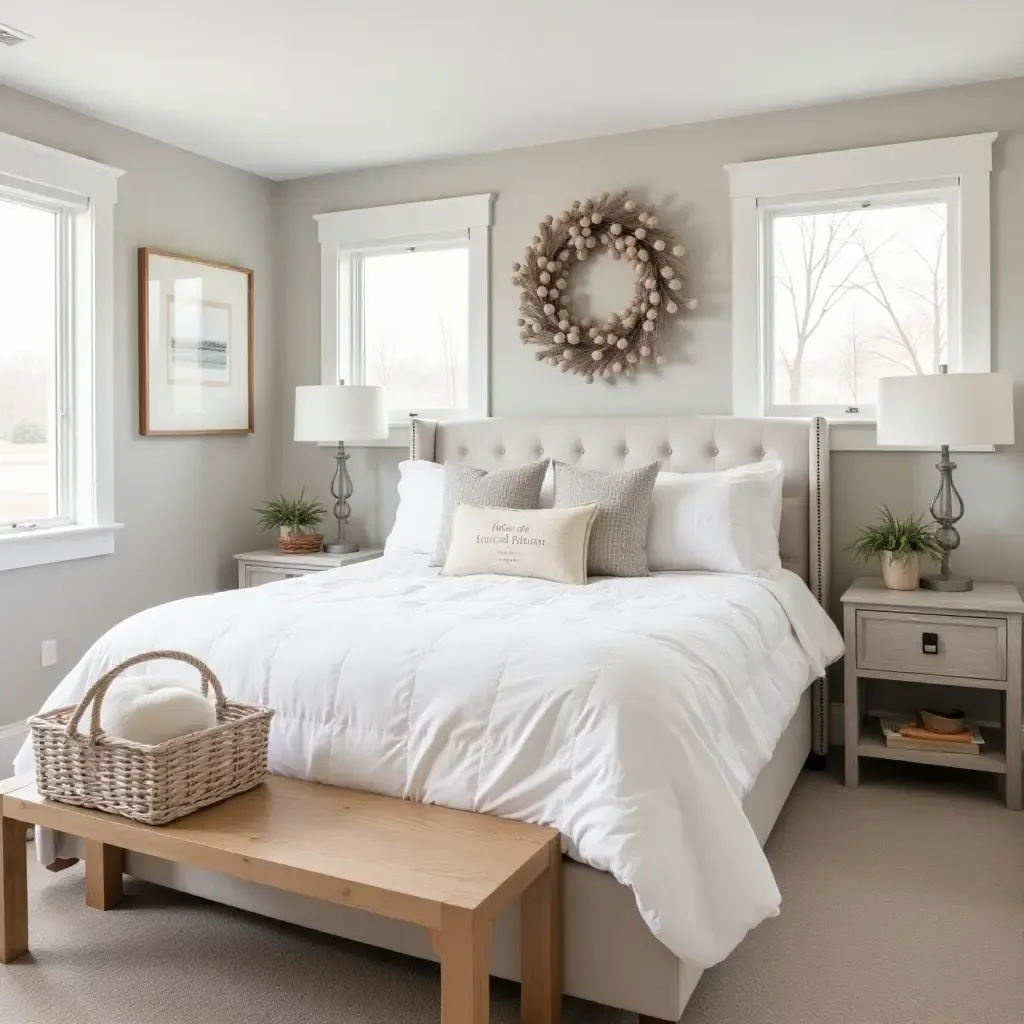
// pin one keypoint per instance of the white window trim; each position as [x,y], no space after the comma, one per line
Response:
[92,187]
[349,231]
[758,185]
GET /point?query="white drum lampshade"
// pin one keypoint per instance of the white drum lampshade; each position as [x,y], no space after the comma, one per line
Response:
[340,412]
[944,410]
[956,409]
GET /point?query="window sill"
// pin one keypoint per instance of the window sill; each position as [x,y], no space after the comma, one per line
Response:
[60,544]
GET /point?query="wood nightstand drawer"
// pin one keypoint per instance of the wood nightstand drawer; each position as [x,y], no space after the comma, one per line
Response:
[971,648]
[258,567]
[257,575]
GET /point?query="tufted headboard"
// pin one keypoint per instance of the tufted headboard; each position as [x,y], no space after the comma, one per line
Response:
[684,444]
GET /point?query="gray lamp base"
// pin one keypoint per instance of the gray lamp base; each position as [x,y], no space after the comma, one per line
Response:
[947,583]
[344,548]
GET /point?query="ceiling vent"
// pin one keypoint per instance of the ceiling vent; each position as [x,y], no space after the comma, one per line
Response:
[12,36]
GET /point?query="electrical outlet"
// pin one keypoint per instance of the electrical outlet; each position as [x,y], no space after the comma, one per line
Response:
[48,653]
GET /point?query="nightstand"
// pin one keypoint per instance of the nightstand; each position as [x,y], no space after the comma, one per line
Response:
[258,567]
[968,639]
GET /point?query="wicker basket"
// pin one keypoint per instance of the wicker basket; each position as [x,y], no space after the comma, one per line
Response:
[151,784]
[300,543]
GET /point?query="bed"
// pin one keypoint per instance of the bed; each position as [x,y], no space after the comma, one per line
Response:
[611,953]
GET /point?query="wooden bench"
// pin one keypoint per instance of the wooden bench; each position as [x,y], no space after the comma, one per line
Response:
[452,872]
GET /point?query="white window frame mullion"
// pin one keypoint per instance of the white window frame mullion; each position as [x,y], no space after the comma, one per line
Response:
[65,351]
[356,341]
[957,353]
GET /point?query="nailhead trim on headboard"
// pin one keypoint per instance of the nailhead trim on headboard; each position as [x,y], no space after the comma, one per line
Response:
[819,692]
[817,501]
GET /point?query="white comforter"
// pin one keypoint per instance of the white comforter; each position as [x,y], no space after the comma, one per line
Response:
[631,714]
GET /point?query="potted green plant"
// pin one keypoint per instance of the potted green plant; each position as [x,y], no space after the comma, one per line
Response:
[296,520]
[899,544]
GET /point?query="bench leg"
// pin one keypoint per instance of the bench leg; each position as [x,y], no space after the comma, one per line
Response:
[13,890]
[465,967]
[540,913]
[103,871]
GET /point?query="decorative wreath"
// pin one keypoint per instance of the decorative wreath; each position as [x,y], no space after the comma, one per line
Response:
[625,340]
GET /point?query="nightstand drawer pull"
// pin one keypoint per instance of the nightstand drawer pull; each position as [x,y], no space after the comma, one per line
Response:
[929,643]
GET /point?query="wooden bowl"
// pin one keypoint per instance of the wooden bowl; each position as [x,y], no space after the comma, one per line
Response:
[943,721]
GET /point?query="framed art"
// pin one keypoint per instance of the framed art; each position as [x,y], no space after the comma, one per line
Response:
[195,346]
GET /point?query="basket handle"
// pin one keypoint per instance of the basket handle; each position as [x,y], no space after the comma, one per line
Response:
[95,694]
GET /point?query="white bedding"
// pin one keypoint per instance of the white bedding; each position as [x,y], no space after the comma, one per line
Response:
[631,714]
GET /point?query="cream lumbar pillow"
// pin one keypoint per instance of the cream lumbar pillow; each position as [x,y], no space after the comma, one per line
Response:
[542,543]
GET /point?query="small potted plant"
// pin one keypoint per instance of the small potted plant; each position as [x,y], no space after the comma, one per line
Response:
[899,544]
[296,520]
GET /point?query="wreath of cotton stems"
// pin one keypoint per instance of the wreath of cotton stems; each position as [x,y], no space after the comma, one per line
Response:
[626,340]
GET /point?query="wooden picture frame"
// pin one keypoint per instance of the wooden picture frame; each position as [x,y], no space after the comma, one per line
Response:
[196,360]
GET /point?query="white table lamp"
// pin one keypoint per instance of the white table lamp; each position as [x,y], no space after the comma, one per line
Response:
[336,413]
[940,410]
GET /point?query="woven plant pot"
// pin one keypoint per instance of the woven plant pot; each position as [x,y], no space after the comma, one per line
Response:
[300,543]
[152,784]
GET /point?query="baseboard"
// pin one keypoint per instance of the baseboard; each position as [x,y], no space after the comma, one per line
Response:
[11,738]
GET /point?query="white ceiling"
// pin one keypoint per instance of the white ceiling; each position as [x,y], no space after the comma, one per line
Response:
[294,88]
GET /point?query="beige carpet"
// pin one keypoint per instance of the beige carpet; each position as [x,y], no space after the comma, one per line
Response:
[903,902]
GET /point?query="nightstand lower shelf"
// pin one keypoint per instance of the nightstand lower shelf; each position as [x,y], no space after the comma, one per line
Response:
[990,759]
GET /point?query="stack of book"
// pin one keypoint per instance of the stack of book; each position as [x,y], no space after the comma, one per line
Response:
[906,734]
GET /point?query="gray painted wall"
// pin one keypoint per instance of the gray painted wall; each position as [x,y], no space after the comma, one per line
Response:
[184,501]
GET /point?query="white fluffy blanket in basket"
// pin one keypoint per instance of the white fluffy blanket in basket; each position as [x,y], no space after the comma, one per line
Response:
[152,709]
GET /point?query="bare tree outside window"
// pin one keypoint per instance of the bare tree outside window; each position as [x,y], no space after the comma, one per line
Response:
[813,267]
[857,295]
[384,358]
[853,352]
[453,355]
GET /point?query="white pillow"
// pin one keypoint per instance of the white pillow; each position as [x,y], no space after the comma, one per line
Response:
[718,522]
[420,502]
[540,543]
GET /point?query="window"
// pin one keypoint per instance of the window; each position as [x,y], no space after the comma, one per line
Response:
[852,266]
[31,447]
[404,305]
[856,292]
[56,478]
[418,347]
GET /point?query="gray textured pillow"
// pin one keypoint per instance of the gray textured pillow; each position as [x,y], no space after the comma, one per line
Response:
[518,487]
[618,541]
